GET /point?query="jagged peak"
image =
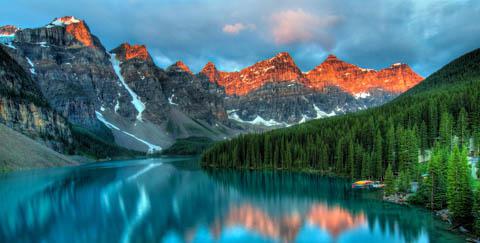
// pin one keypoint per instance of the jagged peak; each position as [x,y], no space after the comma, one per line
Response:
[282,57]
[63,21]
[210,66]
[75,27]
[179,66]
[8,30]
[126,51]
[210,70]
[283,54]
[399,65]
[332,57]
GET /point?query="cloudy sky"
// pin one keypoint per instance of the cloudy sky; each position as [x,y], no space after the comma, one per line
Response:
[236,33]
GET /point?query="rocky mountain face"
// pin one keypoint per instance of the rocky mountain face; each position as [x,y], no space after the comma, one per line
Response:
[72,70]
[275,92]
[194,94]
[174,102]
[396,79]
[24,109]
[280,68]
[146,108]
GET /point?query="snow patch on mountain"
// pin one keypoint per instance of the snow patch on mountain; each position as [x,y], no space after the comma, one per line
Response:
[8,44]
[139,105]
[151,147]
[170,100]
[362,95]
[32,67]
[322,114]
[63,21]
[257,121]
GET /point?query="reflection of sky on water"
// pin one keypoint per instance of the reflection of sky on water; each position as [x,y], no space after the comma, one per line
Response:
[153,201]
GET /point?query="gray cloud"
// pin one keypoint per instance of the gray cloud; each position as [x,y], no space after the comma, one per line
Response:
[375,33]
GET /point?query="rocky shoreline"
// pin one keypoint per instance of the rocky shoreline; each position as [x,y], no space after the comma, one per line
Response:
[442,214]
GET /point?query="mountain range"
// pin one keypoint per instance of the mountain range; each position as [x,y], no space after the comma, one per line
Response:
[68,81]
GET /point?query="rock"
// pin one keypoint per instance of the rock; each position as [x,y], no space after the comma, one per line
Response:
[462,229]
[395,79]
[24,109]
[8,30]
[280,68]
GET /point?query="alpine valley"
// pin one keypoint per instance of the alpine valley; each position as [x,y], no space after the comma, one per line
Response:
[62,88]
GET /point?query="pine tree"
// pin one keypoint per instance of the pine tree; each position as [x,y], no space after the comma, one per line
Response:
[461,128]
[459,189]
[339,157]
[350,159]
[436,181]
[476,212]
[377,155]
[445,131]
[389,181]
[390,146]
[403,182]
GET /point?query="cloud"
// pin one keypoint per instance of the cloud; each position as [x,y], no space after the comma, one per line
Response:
[298,26]
[234,29]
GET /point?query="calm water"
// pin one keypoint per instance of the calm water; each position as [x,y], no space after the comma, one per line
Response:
[169,200]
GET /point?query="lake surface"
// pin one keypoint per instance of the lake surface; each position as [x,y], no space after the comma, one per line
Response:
[172,200]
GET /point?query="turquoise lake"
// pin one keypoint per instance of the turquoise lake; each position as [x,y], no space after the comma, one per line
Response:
[173,200]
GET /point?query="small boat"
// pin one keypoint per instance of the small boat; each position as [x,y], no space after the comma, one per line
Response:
[367,184]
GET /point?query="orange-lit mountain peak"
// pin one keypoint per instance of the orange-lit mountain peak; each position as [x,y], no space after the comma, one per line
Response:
[280,68]
[134,51]
[211,72]
[397,78]
[282,57]
[8,30]
[76,27]
[331,57]
[179,66]
[66,20]
[210,66]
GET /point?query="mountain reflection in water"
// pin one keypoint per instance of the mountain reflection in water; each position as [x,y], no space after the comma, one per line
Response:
[169,200]
[333,220]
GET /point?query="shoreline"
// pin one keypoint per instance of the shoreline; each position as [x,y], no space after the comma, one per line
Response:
[442,214]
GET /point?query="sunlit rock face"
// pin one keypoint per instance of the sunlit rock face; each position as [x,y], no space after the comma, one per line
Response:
[126,52]
[280,68]
[76,27]
[397,78]
[179,66]
[8,30]
[211,72]
[332,72]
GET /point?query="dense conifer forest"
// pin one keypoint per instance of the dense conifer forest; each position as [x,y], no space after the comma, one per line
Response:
[424,135]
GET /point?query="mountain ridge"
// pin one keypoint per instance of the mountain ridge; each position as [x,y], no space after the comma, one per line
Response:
[396,78]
